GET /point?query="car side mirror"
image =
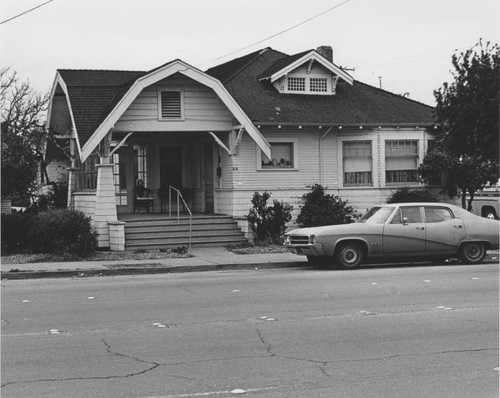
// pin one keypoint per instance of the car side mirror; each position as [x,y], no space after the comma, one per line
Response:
[405,220]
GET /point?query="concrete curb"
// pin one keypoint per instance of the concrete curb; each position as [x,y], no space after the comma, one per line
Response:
[18,275]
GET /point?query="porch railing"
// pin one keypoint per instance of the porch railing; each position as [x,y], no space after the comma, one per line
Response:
[179,196]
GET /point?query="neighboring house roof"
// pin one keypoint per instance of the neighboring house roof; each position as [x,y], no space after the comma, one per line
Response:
[92,94]
[356,104]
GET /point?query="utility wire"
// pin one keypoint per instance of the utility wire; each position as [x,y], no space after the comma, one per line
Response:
[280,33]
[25,12]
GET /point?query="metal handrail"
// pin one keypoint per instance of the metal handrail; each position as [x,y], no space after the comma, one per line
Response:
[179,195]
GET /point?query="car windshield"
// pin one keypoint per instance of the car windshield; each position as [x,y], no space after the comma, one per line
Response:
[377,215]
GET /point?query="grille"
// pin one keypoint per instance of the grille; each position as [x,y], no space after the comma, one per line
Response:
[299,240]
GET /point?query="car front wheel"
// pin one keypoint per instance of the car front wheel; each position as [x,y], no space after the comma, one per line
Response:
[349,255]
[472,253]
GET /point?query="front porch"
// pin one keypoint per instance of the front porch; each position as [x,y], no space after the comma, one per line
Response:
[159,231]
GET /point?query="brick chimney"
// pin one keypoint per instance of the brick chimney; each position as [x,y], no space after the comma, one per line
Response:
[326,51]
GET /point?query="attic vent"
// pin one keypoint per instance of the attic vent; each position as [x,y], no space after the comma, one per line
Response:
[171,105]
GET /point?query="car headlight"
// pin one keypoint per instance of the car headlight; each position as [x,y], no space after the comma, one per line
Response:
[312,239]
[287,240]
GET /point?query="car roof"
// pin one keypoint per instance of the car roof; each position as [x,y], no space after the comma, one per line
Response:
[417,204]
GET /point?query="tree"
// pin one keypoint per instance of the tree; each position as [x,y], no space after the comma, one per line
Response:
[23,133]
[467,141]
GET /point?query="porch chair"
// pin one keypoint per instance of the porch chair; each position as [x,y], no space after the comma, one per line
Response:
[143,197]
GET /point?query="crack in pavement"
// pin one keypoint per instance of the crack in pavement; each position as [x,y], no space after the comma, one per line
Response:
[153,366]
[268,346]
[322,364]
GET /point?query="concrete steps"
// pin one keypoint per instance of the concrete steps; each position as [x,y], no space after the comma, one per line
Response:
[163,232]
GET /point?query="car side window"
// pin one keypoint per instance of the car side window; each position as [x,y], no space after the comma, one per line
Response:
[411,213]
[437,214]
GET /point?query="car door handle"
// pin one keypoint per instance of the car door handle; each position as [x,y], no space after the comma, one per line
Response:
[457,226]
[420,227]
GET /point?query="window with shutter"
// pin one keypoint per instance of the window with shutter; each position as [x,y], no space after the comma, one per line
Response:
[171,106]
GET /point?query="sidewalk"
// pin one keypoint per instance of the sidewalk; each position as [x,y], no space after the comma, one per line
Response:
[204,259]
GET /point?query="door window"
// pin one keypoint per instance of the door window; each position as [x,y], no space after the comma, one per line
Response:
[437,214]
[412,214]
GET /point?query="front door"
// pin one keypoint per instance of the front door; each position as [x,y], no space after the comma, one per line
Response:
[170,167]
[207,176]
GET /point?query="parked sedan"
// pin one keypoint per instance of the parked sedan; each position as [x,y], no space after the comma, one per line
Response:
[433,231]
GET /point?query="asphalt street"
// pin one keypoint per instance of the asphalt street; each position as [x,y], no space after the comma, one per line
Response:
[395,331]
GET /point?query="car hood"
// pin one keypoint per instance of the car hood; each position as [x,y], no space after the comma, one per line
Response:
[330,229]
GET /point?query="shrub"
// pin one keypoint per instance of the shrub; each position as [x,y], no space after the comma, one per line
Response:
[63,231]
[58,231]
[321,208]
[405,195]
[15,231]
[268,223]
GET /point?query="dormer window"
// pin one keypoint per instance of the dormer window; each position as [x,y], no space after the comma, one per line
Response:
[318,84]
[296,84]
[308,73]
[310,85]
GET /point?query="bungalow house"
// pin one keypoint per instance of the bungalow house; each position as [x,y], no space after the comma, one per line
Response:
[266,121]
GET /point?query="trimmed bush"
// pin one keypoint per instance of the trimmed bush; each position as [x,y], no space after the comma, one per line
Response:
[321,208]
[59,231]
[268,223]
[405,195]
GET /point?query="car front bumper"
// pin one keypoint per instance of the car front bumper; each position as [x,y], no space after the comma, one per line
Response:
[310,249]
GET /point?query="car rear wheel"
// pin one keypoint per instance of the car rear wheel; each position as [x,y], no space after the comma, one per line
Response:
[472,253]
[349,255]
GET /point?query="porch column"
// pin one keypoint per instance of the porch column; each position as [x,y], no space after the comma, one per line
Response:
[105,205]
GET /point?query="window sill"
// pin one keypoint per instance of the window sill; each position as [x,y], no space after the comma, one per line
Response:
[171,120]
[278,169]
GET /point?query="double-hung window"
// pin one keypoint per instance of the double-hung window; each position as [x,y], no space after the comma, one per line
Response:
[401,161]
[357,163]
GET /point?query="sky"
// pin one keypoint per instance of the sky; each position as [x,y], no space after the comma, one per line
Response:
[403,45]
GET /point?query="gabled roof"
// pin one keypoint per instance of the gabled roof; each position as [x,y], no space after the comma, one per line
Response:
[97,99]
[356,104]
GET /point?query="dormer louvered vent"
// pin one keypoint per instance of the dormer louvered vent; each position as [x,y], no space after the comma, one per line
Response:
[171,105]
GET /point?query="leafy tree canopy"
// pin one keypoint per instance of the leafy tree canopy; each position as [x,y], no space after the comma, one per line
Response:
[23,133]
[467,142]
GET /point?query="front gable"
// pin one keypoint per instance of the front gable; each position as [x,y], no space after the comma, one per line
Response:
[156,76]
[176,103]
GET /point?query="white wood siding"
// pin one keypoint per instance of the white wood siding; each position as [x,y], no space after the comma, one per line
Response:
[314,146]
[203,110]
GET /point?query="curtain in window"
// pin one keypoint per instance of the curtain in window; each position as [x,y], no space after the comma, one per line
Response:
[357,161]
